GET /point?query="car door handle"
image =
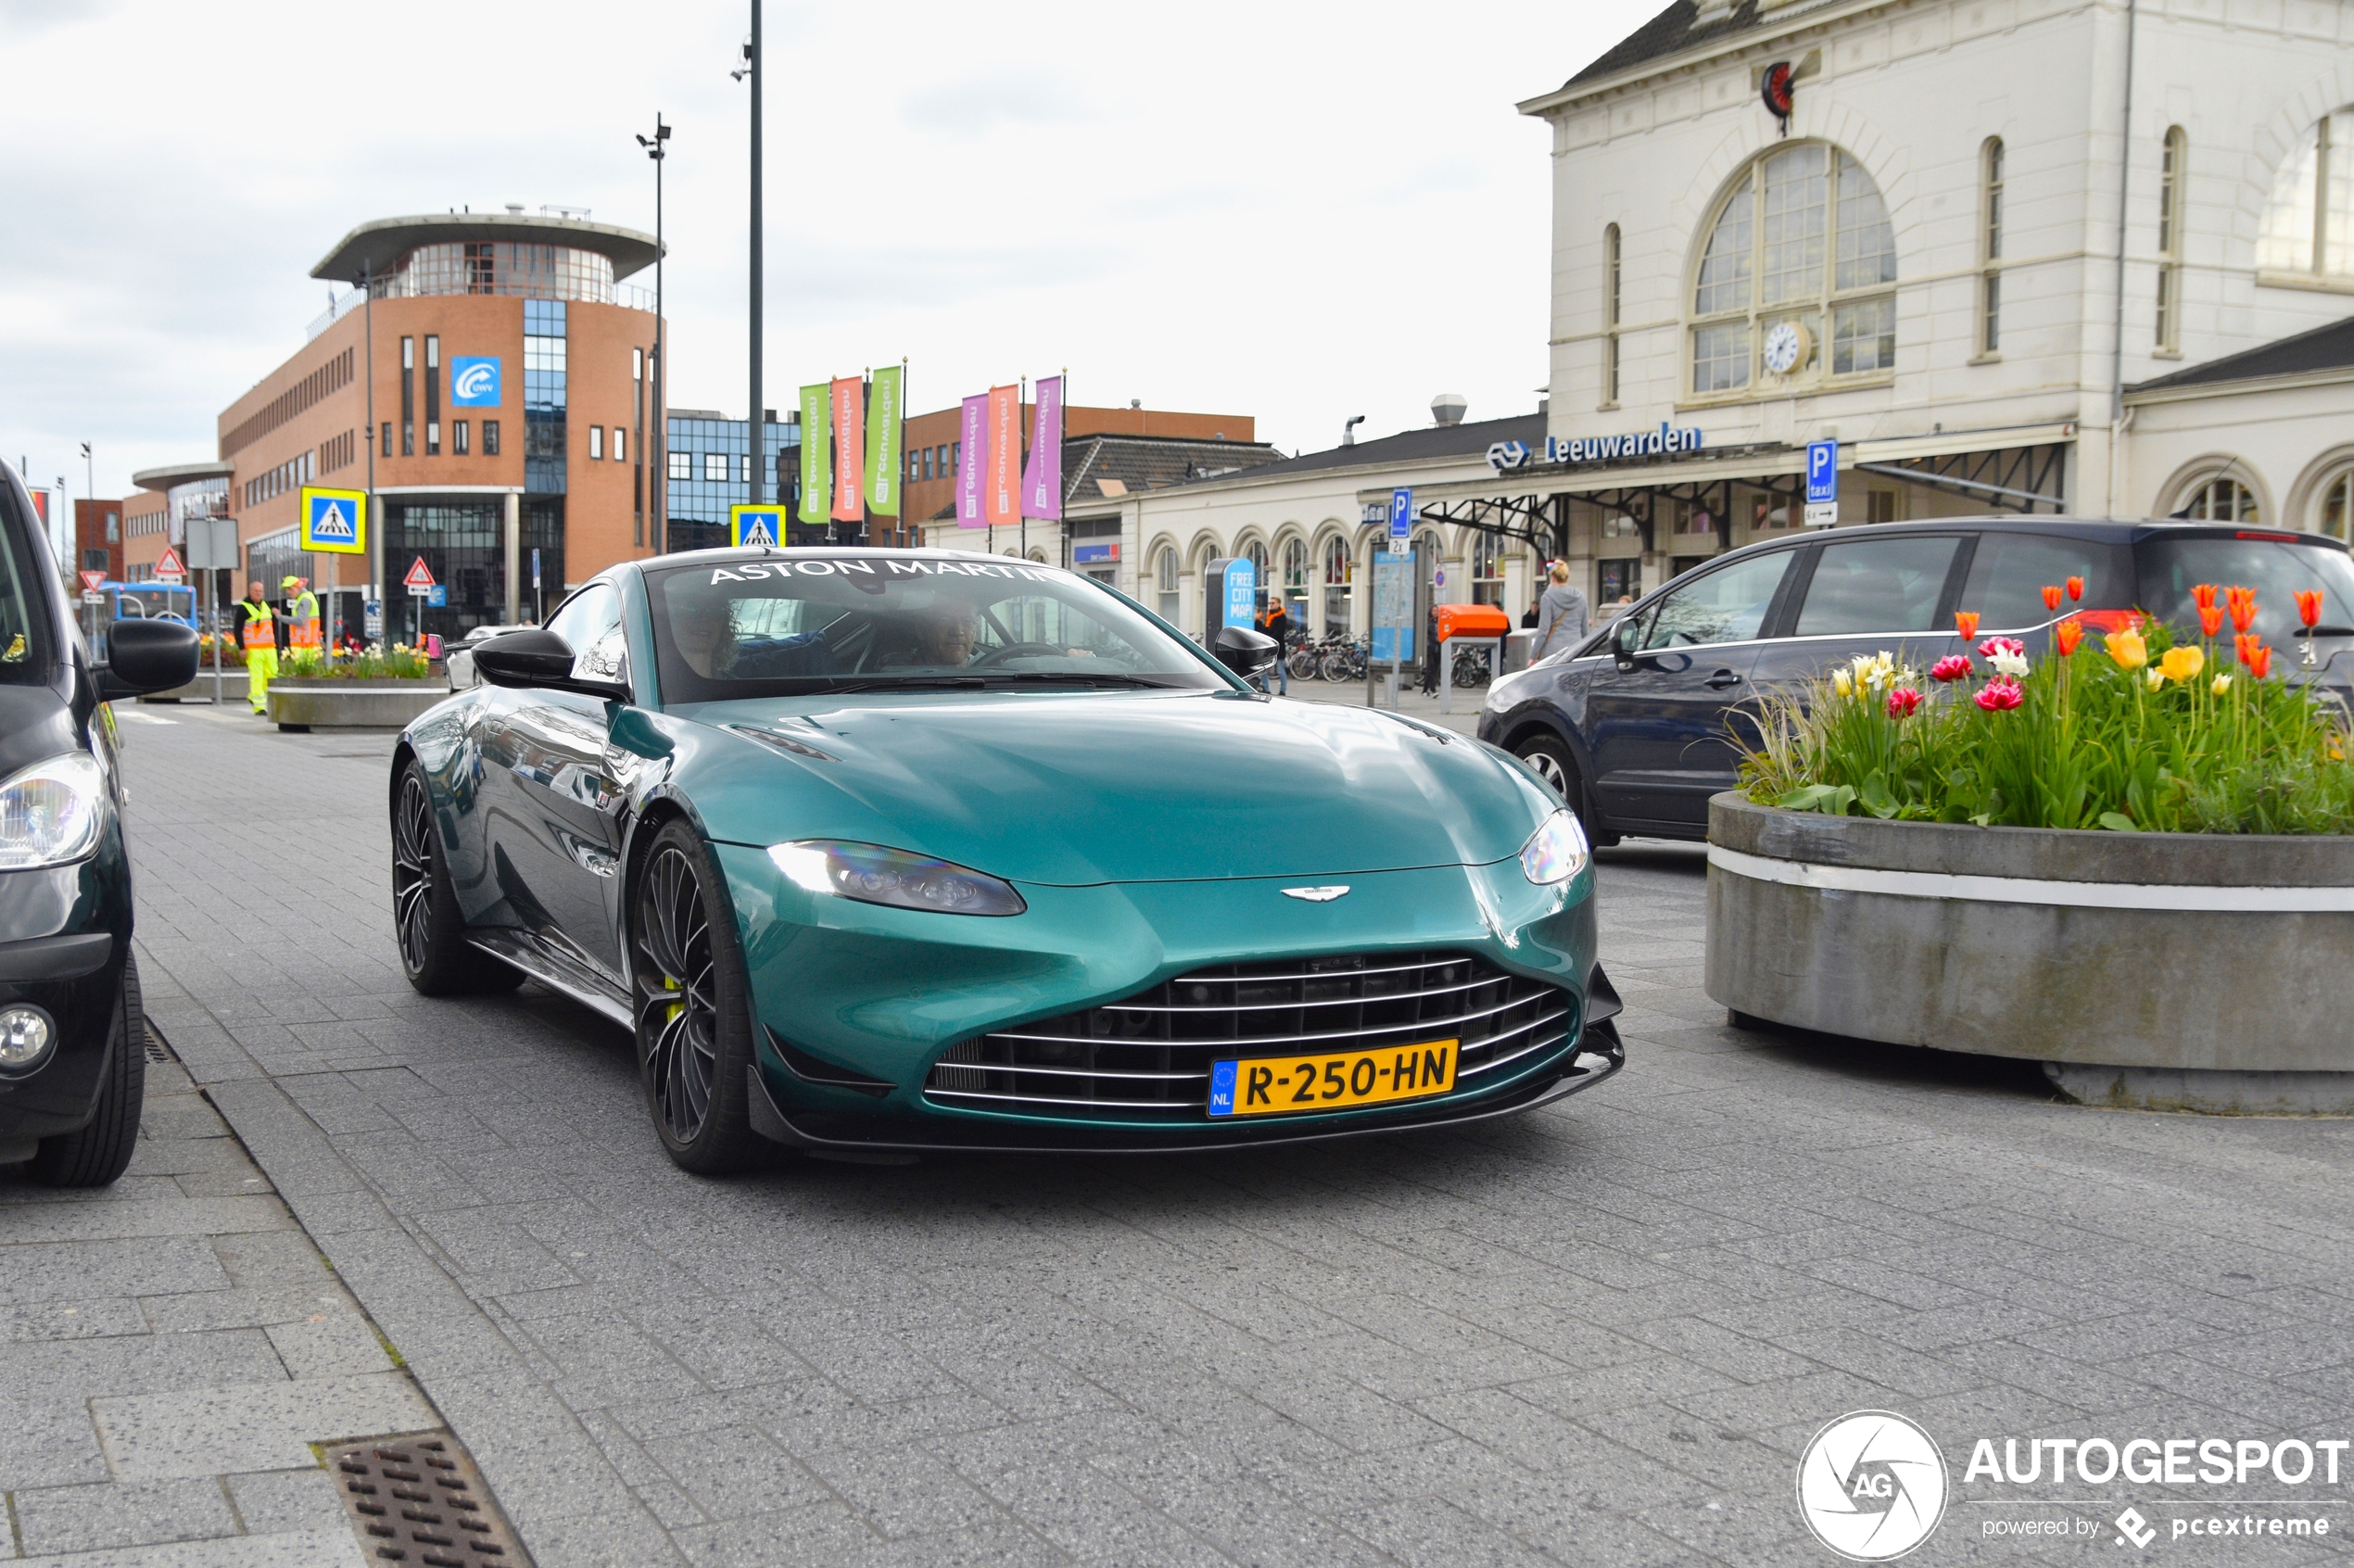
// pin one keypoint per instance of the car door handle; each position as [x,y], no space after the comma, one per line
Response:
[1722,679]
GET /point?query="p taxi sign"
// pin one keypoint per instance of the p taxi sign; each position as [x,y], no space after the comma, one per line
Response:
[749,525]
[334,521]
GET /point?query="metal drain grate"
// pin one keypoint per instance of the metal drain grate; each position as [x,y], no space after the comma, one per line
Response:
[418,1498]
[158,1052]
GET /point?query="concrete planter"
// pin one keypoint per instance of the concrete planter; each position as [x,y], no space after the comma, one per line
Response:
[351,704]
[233,687]
[2170,970]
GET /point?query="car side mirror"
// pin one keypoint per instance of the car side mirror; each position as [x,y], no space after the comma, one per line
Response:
[539,659]
[1243,650]
[144,656]
[1622,642]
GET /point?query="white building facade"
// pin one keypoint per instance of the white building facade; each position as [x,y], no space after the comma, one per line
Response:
[1920,259]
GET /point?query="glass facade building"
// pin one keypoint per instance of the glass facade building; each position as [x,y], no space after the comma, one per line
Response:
[543,396]
[711,471]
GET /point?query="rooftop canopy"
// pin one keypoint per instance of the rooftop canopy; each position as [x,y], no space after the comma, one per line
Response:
[379,247]
[181,474]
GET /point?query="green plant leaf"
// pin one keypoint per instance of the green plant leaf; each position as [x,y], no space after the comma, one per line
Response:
[1876,797]
[2118,822]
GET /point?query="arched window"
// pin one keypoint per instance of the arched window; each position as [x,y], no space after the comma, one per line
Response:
[1256,552]
[1487,569]
[2337,508]
[1340,573]
[1295,568]
[2220,499]
[1611,315]
[1165,583]
[1795,277]
[1990,250]
[2170,240]
[2309,226]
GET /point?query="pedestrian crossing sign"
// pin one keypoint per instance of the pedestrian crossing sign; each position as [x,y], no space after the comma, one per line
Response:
[749,525]
[334,521]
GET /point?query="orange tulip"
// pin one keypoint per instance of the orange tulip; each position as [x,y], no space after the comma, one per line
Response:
[2067,634]
[2051,596]
[2211,621]
[2241,602]
[2245,645]
[2204,595]
[2260,662]
[1966,623]
[2075,587]
[2309,606]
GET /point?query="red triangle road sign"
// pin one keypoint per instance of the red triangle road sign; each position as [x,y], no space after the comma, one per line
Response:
[420,575]
[92,579]
[168,564]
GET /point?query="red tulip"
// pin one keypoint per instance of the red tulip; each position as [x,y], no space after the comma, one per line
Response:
[1966,623]
[2068,634]
[2075,587]
[1904,702]
[2211,621]
[1953,666]
[2241,602]
[2245,645]
[2051,596]
[1999,695]
[2259,661]
[2204,596]
[2309,606]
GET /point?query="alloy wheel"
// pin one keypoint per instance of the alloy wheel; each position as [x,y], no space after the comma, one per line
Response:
[1549,768]
[678,997]
[412,873]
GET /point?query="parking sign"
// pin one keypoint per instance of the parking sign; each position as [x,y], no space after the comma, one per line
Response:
[1822,484]
[1402,512]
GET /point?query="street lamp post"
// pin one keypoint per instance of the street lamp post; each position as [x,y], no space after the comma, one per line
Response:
[659,482]
[751,68]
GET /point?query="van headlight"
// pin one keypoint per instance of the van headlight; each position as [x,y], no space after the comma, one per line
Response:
[1556,852]
[873,874]
[52,812]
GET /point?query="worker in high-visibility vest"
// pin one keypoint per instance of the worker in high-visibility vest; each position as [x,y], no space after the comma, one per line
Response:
[258,634]
[302,620]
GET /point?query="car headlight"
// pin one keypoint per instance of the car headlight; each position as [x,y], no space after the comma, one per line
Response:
[52,812]
[1556,852]
[872,874]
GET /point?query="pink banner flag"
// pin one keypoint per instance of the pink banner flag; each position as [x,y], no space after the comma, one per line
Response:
[1001,487]
[849,449]
[1042,481]
[972,456]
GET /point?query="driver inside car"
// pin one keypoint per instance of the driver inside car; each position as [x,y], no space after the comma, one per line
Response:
[703,625]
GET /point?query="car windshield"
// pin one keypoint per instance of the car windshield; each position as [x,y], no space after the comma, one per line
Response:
[24,649]
[792,624]
[2275,568]
[155,603]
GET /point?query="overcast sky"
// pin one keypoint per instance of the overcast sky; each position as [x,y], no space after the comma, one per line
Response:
[1299,212]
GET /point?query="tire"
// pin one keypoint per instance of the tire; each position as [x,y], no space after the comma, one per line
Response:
[1553,764]
[427,925]
[1333,667]
[689,994]
[99,1153]
[1301,663]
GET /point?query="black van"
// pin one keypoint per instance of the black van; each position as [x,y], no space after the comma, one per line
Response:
[72,1059]
[1636,727]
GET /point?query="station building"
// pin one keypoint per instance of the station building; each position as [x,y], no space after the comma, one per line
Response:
[2029,256]
[488,377]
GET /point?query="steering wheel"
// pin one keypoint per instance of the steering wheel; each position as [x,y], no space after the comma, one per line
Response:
[1017,651]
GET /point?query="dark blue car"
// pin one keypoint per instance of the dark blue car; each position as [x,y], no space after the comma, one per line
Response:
[1640,724]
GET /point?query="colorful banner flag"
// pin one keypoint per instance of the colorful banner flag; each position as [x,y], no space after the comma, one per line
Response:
[817,453]
[1001,487]
[972,456]
[849,440]
[1042,481]
[883,430]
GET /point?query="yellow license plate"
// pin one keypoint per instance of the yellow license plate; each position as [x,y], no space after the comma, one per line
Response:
[1286,1085]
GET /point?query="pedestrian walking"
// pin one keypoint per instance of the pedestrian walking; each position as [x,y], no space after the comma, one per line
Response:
[1276,623]
[1563,618]
[257,631]
[302,621]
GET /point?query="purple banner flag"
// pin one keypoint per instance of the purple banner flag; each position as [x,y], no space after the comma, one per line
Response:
[972,463]
[1042,482]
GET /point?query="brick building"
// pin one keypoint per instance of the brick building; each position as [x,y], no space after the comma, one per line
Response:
[491,385]
[97,537]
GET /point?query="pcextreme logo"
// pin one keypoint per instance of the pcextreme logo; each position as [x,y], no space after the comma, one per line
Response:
[1871,1485]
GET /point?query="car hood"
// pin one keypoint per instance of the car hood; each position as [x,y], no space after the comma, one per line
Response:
[1079,788]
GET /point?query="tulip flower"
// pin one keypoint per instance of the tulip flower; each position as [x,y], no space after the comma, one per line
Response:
[2244,646]
[2007,654]
[2203,595]
[1999,695]
[1904,702]
[2241,602]
[1951,667]
[2182,663]
[2067,634]
[2210,622]
[1966,623]
[2051,596]
[2221,684]
[2153,680]
[2128,648]
[2259,661]
[1842,682]
[2309,606]
[2075,589]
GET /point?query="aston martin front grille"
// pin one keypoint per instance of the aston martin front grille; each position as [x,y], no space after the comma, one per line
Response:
[1147,1057]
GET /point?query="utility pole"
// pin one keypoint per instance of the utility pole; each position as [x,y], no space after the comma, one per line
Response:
[658,482]
[759,434]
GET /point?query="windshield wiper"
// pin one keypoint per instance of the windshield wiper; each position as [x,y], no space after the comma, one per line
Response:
[1065,678]
[914,683]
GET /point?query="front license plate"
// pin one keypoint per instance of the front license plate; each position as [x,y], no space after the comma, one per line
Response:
[1285,1086]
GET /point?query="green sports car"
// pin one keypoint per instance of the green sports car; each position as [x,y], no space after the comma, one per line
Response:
[908,849]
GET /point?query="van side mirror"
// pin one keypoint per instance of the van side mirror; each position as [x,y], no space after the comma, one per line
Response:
[1622,642]
[148,655]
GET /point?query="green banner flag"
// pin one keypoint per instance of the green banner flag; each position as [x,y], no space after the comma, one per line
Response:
[817,453]
[883,413]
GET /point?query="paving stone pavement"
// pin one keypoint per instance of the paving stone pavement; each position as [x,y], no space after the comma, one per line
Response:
[1600,1334]
[169,1349]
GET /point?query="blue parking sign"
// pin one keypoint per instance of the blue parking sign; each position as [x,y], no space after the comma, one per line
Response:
[1822,472]
[1402,512]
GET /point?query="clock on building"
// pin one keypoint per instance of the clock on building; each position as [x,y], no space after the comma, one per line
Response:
[1788,344]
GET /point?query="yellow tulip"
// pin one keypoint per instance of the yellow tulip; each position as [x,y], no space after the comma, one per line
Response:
[2128,648]
[2221,684]
[2182,663]
[1844,683]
